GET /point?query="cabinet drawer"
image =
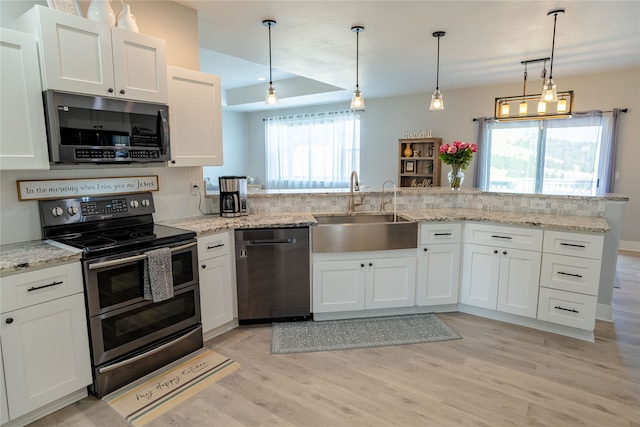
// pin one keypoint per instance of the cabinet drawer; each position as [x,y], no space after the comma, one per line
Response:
[567,308]
[573,244]
[35,287]
[503,236]
[213,245]
[443,232]
[571,274]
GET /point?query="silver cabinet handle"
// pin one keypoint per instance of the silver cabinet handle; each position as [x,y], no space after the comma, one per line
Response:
[148,353]
[111,263]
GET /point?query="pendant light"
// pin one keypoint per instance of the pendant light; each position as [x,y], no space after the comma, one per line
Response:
[357,101]
[542,102]
[549,93]
[437,103]
[271,98]
[522,108]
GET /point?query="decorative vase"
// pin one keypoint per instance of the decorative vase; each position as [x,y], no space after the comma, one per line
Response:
[126,20]
[455,176]
[408,152]
[101,11]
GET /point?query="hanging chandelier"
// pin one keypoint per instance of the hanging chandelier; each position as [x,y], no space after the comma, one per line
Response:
[271,98]
[550,104]
[530,107]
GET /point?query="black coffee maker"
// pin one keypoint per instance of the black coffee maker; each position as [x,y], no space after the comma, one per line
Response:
[233,196]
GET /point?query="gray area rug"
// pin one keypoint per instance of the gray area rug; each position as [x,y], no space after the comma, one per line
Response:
[303,337]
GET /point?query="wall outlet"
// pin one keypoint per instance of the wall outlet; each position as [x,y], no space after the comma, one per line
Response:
[194,188]
[538,204]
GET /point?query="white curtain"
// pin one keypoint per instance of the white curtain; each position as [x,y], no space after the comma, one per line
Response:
[312,150]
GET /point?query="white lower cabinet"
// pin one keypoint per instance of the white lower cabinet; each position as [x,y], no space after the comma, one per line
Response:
[438,264]
[217,297]
[570,278]
[505,277]
[45,346]
[4,405]
[374,282]
[439,274]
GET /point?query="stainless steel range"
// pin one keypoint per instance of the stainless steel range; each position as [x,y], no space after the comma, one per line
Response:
[129,336]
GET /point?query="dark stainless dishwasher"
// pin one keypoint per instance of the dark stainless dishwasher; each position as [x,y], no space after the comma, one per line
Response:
[272,269]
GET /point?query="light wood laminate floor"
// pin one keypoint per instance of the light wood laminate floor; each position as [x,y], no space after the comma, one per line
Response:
[497,375]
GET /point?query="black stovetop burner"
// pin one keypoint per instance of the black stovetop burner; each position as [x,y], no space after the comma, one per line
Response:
[105,225]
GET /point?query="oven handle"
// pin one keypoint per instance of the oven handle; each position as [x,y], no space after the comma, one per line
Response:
[119,261]
[148,353]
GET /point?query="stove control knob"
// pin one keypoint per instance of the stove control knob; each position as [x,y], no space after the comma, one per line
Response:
[57,211]
[72,210]
[145,202]
[133,204]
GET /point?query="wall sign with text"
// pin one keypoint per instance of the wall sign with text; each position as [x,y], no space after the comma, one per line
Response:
[60,188]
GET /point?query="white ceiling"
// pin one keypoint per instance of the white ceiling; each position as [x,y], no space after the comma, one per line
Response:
[484,44]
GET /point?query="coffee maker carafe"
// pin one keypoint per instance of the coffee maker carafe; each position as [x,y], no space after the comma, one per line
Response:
[233,196]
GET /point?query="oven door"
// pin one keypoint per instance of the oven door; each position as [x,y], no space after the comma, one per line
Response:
[130,328]
[117,281]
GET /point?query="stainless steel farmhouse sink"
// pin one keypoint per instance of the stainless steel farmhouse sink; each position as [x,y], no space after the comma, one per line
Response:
[356,233]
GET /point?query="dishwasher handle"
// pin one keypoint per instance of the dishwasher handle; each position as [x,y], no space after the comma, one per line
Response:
[270,242]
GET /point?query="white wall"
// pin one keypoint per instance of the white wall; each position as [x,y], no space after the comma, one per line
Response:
[385,119]
[234,147]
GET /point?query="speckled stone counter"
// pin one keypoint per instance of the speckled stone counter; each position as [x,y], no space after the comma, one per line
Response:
[555,222]
[202,225]
[212,223]
[32,255]
[18,257]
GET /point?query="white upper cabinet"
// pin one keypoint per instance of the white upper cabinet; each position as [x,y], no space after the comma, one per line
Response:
[195,118]
[23,139]
[87,57]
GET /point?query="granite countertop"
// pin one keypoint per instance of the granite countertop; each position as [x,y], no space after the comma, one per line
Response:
[32,255]
[202,225]
[18,257]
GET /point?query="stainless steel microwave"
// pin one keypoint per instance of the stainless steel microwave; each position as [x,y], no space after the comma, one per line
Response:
[92,129]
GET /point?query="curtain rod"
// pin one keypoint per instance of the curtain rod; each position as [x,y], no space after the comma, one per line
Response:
[622,110]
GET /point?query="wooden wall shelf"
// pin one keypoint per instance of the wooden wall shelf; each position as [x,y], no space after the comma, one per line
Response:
[423,169]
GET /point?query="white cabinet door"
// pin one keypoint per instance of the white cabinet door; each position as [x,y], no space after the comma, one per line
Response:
[519,281]
[216,292]
[23,139]
[139,66]
[82,56]
[46,353]
[438,274]
[195,114]
[338,286]
[75,52]
[390,282]
[4,406]
[480,273]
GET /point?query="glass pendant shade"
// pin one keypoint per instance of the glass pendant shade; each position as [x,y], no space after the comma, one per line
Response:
[357,101]
[504,109]
[271,98]
[549,92]
[542,107]
[523,109]
[562,106]
[437,103]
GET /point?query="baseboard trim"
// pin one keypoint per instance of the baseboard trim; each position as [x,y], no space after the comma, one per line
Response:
[48,409]
[604,312]
[628,245]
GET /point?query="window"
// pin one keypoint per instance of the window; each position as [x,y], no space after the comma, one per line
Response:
[568,156]
[313,150]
